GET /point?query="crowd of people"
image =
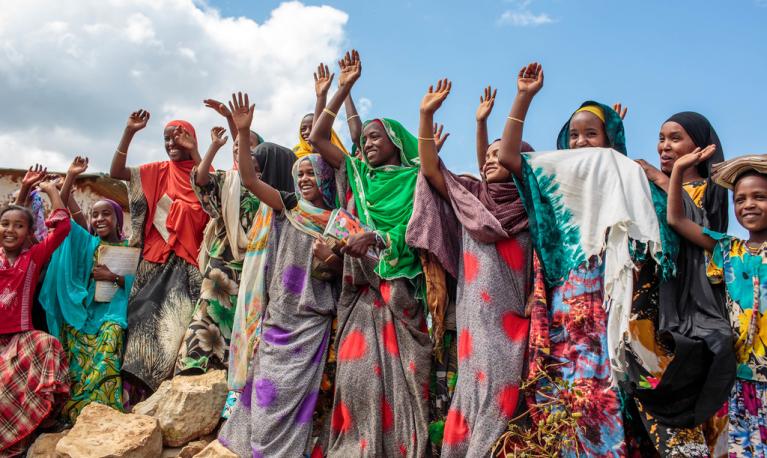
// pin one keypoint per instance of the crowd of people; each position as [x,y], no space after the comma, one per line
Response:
[573,302]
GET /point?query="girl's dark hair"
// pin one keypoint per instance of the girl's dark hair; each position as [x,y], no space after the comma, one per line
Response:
[27,212]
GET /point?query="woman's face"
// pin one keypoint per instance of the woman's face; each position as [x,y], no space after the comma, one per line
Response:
[378,148]
[175,151]
[253,145]
[493,171]
[103,220]
[750,198]
[587,130]
[307,184]
[15,230]
[673,143]
[306,126]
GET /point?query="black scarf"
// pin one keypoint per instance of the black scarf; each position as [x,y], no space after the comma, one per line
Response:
[692,318]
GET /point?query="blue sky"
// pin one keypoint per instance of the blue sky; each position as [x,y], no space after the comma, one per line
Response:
[656,57]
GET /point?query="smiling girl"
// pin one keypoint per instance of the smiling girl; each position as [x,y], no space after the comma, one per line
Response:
[742,266]
[33,367]
[289,282]
[92,333]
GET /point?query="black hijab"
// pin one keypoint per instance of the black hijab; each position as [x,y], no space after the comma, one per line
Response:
[693,322]
[715,202]
[276,164]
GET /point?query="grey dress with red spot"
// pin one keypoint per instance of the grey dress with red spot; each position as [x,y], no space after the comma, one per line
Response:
[493,284]
[380,407]
[274,414]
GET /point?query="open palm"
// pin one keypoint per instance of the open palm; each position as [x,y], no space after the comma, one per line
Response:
[242,111]
[351,68]
[434,97]
[530,79]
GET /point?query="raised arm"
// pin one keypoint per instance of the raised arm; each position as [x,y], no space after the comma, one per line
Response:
[322,81]
[486,102]
[620,109]
[33,176]
[427,147]
[353,120]
[218,139]
[78,167]
[351,69]
[529,82]
[221,109]
[675,216]
[136,121]
[49,187]
[242,113]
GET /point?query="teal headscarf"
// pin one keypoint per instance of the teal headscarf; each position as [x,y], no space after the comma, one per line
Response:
[613,128]
[384,199]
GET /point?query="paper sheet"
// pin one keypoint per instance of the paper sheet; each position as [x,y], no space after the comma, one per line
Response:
[121,260]
[161,216]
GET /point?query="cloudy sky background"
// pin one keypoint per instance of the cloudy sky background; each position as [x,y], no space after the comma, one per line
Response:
[71,72]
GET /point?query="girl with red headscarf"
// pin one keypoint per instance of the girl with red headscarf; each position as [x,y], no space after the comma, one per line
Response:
[168,222]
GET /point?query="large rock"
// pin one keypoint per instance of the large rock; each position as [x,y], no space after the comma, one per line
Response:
[102,432]
[216,450]
[45,445]
[187,407]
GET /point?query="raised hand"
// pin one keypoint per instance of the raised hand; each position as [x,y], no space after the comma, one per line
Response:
[137,120]
[486,102]
[242,111]
[322,80]
[49,184]
[34,176]
[79,166]
[351,68]
[218,137]
[434,97]
[696,157]
[439,139]
[530,79]
[219,107]
[184,139]
[620,109]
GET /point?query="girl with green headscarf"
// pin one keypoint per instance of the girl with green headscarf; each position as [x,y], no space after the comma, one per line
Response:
[384,351]
[597,226]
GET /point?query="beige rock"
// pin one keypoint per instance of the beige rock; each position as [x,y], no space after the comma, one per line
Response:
[193,448]
[45,445]
[102,432]
[216,450]
[187,407]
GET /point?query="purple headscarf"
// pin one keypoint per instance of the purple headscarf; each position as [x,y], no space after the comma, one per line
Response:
[119,216]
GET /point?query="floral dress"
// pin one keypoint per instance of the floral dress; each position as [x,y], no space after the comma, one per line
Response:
[744,272]
[206,342]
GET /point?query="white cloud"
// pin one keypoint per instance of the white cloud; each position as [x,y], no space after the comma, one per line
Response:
[522,16]
[70,76]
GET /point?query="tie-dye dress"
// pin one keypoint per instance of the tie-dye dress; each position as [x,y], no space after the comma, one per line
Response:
[383,362]
[274,414]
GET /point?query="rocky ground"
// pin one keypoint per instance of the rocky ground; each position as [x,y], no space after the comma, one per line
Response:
[179,420]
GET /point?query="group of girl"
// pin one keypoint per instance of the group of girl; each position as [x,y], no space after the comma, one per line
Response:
[574,302]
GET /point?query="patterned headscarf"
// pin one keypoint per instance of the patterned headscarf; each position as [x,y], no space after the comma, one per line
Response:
[324,174]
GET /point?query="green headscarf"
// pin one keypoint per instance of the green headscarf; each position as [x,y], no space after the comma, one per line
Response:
[613,128]
[384,200]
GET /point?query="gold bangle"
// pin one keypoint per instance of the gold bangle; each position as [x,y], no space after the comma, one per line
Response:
[327,260]
[77,212]
[427,139]
[352,117]
[521,121]
[325,110]
[120,152]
